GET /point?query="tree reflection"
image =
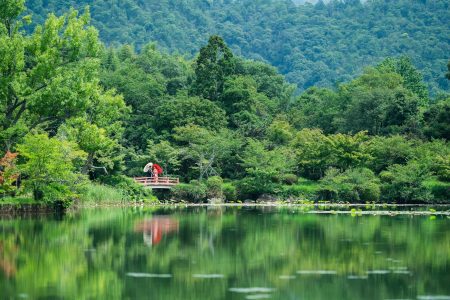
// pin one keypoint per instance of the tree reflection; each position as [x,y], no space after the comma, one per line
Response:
[87,255]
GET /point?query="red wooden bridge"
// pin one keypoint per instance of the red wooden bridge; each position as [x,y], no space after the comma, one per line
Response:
[158,183]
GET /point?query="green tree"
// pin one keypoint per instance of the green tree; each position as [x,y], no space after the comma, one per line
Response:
[264,168]
[214,63]
[314,153]
[250,112]
[184,110]
[355,185]
[46,76]
[165,155]
[377,102]
[436,119]
[387,151]
[280,132]
[316,108]
[49,167]
[412,78]
[205,153]
[405,183]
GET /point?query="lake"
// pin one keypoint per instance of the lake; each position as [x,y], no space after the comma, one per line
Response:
[225,253]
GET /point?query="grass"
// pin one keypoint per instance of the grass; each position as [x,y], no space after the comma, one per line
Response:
[100,194]
[16,200]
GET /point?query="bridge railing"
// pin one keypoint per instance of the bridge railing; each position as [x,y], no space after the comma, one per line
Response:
[161,180]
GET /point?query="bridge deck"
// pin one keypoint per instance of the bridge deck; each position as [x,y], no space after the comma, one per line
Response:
[160,183]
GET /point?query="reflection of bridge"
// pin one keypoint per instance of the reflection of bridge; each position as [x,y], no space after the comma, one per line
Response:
[158,183]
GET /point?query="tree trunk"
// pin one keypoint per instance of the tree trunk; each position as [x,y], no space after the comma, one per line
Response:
[88,164]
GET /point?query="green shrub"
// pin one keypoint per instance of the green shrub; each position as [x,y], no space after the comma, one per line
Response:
[299,191]
[214,186]
[229,192]
[131,190]
[252,188]
[195,191]
[289,179]
[354,185]
[405,183]
[439,189]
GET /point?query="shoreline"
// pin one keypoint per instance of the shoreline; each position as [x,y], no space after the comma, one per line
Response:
[310,208]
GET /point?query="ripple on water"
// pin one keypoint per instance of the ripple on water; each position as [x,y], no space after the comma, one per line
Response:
[148,275]
[287,277]
[258,296]
[378,272]
[316,272]
[251,290]
[208,276]
[361,277]
[433,297]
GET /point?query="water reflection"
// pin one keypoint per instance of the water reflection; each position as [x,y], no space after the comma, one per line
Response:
[226,253]
[155,228]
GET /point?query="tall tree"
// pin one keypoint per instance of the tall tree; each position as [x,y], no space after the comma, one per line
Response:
[47,76]
[214,63]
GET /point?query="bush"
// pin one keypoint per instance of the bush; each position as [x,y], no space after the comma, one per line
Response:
[289,179]
[97,193]
[252,188]
[439,189]
[299,191]
[195,191]
[229,192]
[355,185]
[214,186]
[405,183]
[129,188]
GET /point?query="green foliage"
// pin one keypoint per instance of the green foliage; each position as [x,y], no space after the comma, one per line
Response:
[195,191]
[49,167]
[304,189]
[250,111]
[439,189]
[378,102]
[214,185]
[165,154]
[206,153]
[280,132]
[316,108]
[112,110]
[100,194]
[48,75]
[229,192]
[289,179]
[436,120]
[353,185]
[130,190]
[341,39]
[387,151]
[183,110]
[317,152]
[412,79]
[214,63]
[405,183]
[264,168]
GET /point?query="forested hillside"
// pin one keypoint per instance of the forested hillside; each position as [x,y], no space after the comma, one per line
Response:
[77,118]
[320,44]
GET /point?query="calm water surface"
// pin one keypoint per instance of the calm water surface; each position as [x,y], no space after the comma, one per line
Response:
[224,253]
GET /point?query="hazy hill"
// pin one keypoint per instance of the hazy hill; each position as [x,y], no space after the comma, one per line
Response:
[311,44]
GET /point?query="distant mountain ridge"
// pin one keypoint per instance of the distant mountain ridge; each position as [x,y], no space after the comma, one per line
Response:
[320,44]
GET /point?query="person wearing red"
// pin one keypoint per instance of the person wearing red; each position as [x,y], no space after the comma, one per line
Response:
[154,169]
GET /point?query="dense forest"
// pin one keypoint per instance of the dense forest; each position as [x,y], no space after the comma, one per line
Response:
[78,119]
[312,45]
